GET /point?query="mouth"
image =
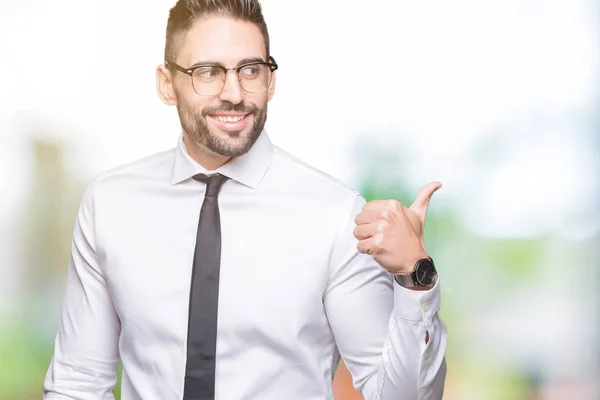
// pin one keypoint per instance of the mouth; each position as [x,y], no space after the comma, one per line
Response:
[230,121]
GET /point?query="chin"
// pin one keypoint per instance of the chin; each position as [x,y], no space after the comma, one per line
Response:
[231,143]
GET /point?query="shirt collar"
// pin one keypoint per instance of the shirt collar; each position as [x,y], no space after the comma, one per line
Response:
[248,169]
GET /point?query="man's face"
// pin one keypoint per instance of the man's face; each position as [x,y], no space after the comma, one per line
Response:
[230,122]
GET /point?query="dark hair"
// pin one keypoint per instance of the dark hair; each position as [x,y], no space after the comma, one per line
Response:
[186,12]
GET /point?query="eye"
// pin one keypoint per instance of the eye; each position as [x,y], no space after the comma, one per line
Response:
[250,71]
[208,73]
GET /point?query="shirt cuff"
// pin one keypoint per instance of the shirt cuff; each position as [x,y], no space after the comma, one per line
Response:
[415,305]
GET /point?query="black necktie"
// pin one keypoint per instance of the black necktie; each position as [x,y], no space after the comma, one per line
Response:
[204,295]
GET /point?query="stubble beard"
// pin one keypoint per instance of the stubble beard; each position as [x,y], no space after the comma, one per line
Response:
[236,143]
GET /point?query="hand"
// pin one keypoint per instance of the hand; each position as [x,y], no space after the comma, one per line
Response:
[393,234]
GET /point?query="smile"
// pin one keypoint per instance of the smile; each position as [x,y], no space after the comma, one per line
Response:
[223,118]
[230,122]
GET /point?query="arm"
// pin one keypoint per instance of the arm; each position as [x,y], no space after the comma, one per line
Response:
[380,327]
[84,365]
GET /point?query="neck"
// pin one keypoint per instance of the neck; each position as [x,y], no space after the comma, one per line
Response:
[204,156]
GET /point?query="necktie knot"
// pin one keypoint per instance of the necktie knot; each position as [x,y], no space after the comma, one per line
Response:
[213,183]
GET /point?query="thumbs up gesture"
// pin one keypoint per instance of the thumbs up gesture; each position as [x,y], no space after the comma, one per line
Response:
[392,233]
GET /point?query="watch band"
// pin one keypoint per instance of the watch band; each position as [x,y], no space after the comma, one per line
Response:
[405,280]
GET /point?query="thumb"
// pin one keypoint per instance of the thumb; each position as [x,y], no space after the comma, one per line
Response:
[422,202]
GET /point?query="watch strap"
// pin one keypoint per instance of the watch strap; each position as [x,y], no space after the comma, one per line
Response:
[406,280]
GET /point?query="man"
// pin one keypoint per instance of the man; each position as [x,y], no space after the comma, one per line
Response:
[297,267]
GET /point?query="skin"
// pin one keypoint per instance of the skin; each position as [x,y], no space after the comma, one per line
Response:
[392,233]
[228,42]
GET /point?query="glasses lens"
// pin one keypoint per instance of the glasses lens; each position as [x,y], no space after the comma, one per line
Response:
[208,81]
[255,78]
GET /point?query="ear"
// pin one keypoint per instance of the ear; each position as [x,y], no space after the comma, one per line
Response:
[164,85]
[271,90]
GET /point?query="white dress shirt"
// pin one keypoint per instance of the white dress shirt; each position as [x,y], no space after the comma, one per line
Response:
[294,294]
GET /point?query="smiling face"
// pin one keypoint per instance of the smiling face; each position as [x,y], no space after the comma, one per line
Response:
[228,123]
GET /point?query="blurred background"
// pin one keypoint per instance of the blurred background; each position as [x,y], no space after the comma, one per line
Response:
[497,99]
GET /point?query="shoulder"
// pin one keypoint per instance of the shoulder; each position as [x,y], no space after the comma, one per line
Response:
[131,176]
[156,166]
[308,181]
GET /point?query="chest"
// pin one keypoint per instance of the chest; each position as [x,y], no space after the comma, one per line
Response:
[273,270]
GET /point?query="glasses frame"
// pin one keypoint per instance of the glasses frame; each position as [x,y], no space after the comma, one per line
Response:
[190,71]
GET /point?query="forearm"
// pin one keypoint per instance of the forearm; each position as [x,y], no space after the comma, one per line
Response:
[410,367]
[81,378]
[410,364]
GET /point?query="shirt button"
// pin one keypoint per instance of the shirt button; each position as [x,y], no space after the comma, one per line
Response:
[426,356]
[425,306]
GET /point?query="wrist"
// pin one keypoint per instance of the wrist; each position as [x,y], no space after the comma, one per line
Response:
[422,277]
[410,262]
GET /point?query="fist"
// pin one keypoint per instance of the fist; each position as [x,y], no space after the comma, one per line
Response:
[392,233]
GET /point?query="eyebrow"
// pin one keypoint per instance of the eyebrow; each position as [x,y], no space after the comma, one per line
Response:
[241,62]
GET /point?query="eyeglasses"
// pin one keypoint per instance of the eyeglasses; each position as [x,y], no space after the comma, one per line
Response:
[209,80]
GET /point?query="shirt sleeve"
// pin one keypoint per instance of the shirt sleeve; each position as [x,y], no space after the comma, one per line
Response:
[380,327]
[85,360]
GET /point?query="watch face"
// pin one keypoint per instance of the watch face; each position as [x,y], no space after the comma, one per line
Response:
[425,272]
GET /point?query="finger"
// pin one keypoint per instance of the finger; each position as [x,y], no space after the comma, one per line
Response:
[370,246]
[421,203]
[365,217]
[365,231]
[362,232]
[378,206]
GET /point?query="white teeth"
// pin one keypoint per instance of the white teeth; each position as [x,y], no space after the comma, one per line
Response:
[222,118]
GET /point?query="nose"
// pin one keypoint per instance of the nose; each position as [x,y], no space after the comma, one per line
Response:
[232,91]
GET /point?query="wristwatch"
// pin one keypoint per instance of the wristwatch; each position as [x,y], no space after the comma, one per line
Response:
[424,275]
